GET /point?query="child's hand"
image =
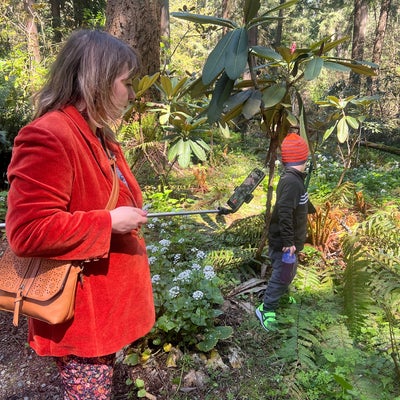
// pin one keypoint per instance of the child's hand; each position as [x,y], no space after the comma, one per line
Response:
[291,249]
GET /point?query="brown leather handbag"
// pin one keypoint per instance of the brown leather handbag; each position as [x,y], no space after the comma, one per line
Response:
[41,288]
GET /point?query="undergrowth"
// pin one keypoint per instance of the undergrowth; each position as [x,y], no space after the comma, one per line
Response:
[340,339]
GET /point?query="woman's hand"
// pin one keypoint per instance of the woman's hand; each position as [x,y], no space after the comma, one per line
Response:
[126,219]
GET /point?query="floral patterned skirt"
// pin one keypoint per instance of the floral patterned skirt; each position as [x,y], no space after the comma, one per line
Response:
[86,378]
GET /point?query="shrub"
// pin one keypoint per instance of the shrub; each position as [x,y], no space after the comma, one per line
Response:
[186,288]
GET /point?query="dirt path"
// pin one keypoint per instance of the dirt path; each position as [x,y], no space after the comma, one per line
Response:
[24,375]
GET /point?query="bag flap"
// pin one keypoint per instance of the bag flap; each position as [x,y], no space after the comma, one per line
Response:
[41,279]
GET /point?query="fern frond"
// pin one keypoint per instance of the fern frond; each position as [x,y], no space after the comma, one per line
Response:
[357,298]
[343,196]
[230,256]
[245,231]
[300,342]
[308,279]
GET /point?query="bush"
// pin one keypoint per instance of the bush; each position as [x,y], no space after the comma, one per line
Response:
[186,288]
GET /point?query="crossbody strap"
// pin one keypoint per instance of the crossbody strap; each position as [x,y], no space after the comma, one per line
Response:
[112,201]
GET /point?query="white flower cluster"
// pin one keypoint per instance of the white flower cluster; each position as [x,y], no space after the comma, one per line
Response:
[200,255]
[208,272]
[198,295]
[196,267]
[152,248]
[165,242]
[155,279]
[152,260]
[184,276]
[174,291]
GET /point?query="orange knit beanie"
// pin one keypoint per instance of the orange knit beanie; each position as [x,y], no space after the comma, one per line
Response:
[294,150]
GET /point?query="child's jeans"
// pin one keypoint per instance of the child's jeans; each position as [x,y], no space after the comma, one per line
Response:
[278,284]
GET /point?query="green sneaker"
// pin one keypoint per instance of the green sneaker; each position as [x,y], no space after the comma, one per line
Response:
[267,318]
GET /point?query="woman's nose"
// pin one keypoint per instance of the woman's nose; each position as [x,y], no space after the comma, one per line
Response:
[131,94]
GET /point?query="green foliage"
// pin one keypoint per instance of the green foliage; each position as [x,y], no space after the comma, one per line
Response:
[186,289]
[357,299]
[3,205]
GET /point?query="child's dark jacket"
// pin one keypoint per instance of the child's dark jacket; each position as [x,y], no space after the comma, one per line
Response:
[288,225]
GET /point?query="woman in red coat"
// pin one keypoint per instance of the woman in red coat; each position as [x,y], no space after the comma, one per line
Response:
[60,181]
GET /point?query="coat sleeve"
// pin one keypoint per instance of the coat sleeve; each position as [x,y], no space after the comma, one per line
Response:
[39,221]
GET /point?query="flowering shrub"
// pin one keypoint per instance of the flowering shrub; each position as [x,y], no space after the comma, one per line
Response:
[186,289]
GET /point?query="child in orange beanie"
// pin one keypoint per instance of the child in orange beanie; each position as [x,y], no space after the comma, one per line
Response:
[288,226]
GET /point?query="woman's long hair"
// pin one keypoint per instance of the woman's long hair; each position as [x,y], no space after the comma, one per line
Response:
[83,75]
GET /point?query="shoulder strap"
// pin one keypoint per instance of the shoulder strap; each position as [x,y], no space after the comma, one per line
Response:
[112,201]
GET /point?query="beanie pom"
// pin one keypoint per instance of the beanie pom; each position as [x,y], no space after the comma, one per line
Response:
[294,150]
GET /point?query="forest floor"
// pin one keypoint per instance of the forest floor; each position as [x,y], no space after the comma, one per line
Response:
[26,376]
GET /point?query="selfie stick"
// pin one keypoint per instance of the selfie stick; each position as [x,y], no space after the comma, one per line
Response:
[242,194]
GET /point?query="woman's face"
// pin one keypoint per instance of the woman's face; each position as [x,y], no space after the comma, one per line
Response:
[123,92]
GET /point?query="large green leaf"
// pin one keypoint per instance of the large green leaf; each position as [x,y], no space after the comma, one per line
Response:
[329,131]
[265,52]
[250,9]
[236,54]
[273,95]
[359,69]
[313,68]
[342,130]
[216,60]
[197,150]
[352,121]
[236,99]
[205,19]
[143,84]
[287,4]
[335,66]
[184,157]
[175,150]
[252,105]
[261,21]
[221,93]
[328,46]
[166,85]
[302,117]
[286,54]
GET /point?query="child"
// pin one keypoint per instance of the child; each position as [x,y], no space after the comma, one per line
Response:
[288,226]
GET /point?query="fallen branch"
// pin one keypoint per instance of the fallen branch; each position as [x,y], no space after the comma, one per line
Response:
[382,147]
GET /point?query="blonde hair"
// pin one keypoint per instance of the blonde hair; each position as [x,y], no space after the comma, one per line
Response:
[83,75]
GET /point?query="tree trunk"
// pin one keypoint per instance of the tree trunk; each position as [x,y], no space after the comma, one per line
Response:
[55,7]
[31,32]
[379,40]
[137,23]
[279,28]
[227,6]
[359,31]
[165,31]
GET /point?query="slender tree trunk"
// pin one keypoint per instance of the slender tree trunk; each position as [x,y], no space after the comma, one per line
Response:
[227,6]
[31,32]
[279,28]
[379,40]
[359,31]
[165,31]
[55,7]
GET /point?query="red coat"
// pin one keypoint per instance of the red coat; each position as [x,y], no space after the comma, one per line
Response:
[60,181]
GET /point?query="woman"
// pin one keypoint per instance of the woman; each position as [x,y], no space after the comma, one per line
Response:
[60,181]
